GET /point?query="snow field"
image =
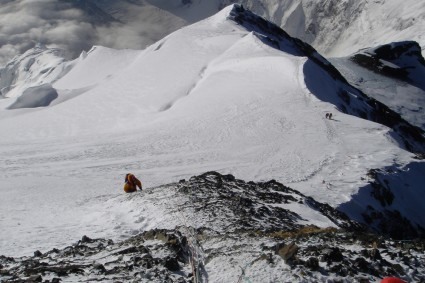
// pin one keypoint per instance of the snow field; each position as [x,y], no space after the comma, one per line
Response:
[211,96]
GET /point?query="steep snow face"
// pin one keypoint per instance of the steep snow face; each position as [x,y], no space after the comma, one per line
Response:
[339,28]
[216,95]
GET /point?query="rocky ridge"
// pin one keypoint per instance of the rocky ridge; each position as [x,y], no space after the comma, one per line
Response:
[400,60]
[234,231]
[348,99]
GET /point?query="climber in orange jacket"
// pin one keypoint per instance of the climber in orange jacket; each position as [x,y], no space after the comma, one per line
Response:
[131,183]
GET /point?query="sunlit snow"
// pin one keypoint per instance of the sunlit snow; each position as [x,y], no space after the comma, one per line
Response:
[211,96]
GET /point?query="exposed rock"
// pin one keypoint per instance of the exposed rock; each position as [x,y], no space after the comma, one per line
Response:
[37,253]
[312,263]
[239,226]
[232,204]
[385,219]
[361,264]
[86,239]
[398,60]
[332,255]
[171,264]
[99,267]
[115,262]
[372,256]
[35,278]
[288,252]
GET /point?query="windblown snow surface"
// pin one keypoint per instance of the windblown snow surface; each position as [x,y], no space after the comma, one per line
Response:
[211,96]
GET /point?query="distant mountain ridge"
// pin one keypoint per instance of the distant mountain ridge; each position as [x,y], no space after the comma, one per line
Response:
[339,28]
[332,27]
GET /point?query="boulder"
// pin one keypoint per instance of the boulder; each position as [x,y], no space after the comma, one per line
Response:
[288,252]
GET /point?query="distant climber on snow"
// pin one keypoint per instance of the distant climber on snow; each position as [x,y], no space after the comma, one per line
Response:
[131,183]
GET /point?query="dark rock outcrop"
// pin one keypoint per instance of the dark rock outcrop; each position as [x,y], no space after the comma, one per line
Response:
[241,225]
[400,60]
[233,204]
[344,256]
[103,260]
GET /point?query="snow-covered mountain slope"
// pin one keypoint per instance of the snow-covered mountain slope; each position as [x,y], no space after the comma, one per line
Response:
[392,76]
[232,93]
[332,27]
[35,67]
[339,28]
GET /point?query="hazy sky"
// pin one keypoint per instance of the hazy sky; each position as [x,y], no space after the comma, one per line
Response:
[76,25]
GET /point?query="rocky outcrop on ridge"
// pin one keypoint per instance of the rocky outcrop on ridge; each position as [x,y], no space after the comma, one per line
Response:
[153,256]
[400,60]
[233,231]
[229,204]
[305,255]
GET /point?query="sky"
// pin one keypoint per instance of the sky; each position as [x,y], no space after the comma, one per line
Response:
[70,25]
